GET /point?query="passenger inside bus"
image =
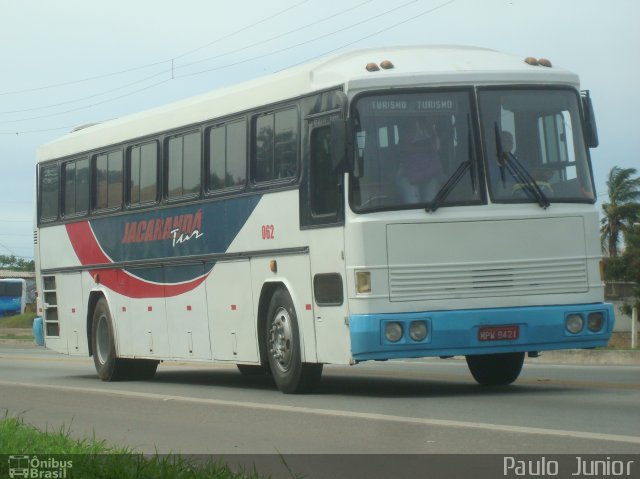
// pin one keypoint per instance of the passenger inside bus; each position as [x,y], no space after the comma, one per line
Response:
[421,173]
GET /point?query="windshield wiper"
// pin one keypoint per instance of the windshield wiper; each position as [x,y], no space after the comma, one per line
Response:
[454,179]
[519,173]
[448,187]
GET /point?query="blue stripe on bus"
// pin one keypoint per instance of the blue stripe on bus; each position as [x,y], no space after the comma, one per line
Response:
[190,230]
[456,333]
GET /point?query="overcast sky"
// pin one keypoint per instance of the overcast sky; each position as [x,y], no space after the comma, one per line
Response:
[71,62]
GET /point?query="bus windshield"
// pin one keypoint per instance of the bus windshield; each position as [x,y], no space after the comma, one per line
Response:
[414,150]
[534,147]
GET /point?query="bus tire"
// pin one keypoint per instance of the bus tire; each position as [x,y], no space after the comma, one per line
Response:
[108,366]
[495,369]
[290,374]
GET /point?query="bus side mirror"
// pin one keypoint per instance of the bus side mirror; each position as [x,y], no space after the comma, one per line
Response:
[590,128]
[341,146]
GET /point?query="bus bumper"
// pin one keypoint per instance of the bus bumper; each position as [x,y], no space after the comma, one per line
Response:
[481,331]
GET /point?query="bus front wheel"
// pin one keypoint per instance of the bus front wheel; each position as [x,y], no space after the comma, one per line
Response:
[290,374]
[495,369]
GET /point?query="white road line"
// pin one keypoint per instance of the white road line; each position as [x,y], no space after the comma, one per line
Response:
[336,413]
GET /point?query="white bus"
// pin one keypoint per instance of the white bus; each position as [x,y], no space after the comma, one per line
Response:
[386,203]
[13,295]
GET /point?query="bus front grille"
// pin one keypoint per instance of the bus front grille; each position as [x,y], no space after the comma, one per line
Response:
[477,280]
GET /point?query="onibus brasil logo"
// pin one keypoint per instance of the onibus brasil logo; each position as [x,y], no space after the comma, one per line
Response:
[35,467]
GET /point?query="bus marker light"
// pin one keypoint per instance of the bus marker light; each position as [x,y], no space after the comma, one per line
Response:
[273,266]
[149,308]
[234,307]
[418,330]
[188,307]
[544,62]
[574,323]
[386,64]
[595,322]
[363,281]
[393,331]
[372,67]
[531,61]
[307,307]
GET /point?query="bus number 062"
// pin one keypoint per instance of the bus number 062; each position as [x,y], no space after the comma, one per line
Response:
[268,232]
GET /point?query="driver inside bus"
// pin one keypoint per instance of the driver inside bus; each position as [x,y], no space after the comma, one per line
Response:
[420,172]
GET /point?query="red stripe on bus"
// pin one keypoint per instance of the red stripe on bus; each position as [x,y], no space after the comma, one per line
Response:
[89,252]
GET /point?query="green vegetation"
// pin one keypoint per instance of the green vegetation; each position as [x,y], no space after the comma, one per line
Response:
[16,264]
[620,221]
[19,321]
[92,458]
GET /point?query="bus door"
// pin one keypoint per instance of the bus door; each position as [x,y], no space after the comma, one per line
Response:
[322,217]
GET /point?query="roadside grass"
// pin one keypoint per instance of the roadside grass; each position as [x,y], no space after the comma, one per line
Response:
[16,337]
[18,321]
[91,458]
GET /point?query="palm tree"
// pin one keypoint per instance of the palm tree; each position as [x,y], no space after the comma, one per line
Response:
[622,210]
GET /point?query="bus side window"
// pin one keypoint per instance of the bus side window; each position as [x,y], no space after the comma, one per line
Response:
[275,140]
[76,187]
[226,156]
[325,193]
[108,180]
[143,173]
[183,165]
[49,193]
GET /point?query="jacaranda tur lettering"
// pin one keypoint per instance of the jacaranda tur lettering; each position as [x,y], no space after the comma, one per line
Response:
[179,229]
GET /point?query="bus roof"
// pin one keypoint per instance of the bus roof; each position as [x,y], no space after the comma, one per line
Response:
[412,66]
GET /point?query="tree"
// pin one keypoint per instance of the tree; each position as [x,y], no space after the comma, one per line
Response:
[631,261]
[16,264]
[622,210]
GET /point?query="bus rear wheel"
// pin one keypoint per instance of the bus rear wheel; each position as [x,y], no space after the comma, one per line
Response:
[108,366]
[495,369]
[290,374]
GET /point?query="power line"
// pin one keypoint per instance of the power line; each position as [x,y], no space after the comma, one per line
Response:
[290,47]
[172,67]
[149,65]
[224,37]
[108,100]
[121,87]
[275,37]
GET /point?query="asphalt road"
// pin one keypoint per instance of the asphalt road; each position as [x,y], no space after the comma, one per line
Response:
[414,407]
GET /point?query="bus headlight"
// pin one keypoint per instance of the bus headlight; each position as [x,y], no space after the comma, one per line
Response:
[595,322]
[393,331]
[574,323]
[418,330]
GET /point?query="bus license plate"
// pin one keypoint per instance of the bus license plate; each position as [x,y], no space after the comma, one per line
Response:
[499,333]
